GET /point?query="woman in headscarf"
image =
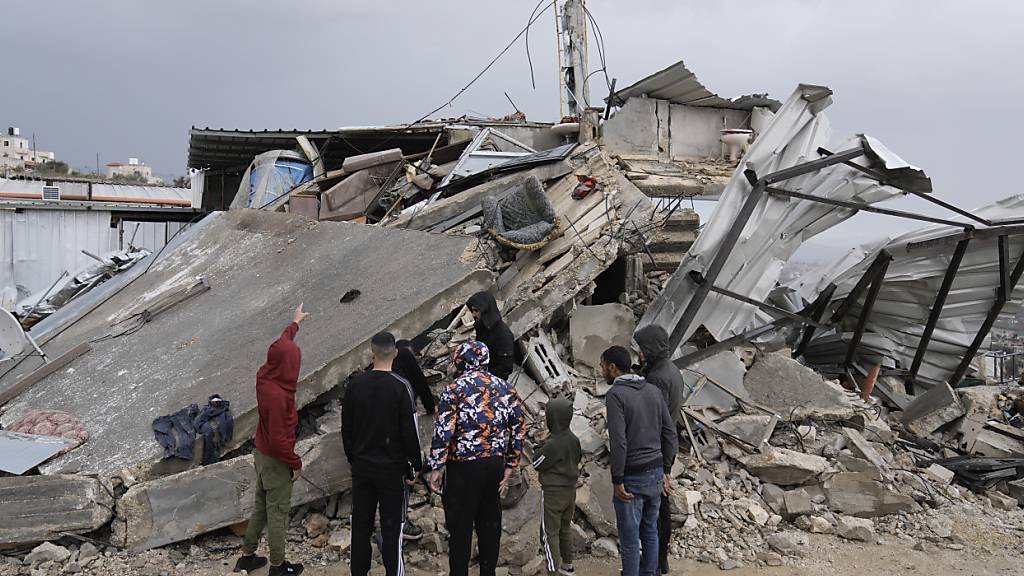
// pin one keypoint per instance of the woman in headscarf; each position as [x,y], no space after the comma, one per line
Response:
[492,331]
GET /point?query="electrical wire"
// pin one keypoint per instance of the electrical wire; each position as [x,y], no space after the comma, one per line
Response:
[529,60]
[600,47]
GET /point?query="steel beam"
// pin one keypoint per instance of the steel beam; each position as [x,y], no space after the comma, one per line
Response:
[816,310]
[1003,292]
[813,166]
[727,344]
[976,234]
[697,278]
[869,303]
[860,287]
[936,311]
[866,208]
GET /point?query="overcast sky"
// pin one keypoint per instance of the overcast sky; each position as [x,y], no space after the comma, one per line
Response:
[937,81]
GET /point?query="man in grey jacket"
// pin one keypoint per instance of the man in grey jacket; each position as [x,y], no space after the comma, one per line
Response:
[658,369]
[643,441]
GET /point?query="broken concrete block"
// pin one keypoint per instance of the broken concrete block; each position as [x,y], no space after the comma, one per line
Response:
[591,441]
[605,548]
[593,329]
[854,464]
[1001,501]
[544,365]
[864,449]
[754,429]
[784,467]
[1016,491]
[532,395]
[873,428]
[995,445]
[726,369]
[857,494]
[795,391]
[980,406]
[580,401]
[47,552]
[819,525]
[774,496]
[340,540]
[37,508]
[753,511]
[852,528]
[690,500]
[594,500]
[932,410]
[798,503]
[181,506]
[787,543]
[939,474]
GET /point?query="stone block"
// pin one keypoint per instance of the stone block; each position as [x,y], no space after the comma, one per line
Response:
[852,528]
[930,411]
[36,508]
[784,467]
[854,464]
[797,503]
[939,474]
[774,497]
[819,525]
[857,494]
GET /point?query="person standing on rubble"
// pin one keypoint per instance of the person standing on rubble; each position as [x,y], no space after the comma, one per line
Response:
[382,444]
[492,331]
[658,369]
[643,443]
[407,366]
[478,441]
[277,464]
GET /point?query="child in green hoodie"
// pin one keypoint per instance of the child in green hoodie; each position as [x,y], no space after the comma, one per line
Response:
[557,463]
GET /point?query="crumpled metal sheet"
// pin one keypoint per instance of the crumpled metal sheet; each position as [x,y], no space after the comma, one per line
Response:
[778,225]
[911,284]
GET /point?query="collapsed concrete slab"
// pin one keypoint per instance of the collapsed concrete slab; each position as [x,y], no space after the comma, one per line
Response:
[726,370]
[930,411]
[860,495]
[181,506]
[260,265]
[795,391]
[36,508]
[594,499]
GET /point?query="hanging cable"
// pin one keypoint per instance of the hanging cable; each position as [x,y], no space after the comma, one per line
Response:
[529,60]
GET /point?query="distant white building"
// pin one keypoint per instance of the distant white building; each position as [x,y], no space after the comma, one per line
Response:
[133,168]
[17,152]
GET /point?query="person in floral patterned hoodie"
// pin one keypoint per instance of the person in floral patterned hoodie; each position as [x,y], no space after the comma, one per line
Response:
[478,441]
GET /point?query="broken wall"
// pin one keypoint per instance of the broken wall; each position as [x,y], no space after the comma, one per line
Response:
[649,127]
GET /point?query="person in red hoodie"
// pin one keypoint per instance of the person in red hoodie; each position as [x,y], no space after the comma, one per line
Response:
[277,465]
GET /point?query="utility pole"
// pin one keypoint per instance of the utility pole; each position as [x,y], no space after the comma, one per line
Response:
[572,41]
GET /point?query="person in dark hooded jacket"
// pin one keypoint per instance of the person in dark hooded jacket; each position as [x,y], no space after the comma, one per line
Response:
[558,466]
[492,331]
[659,370]
[277,464]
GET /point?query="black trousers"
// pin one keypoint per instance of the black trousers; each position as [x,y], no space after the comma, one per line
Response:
[388,492]
[471,501]
[664,531]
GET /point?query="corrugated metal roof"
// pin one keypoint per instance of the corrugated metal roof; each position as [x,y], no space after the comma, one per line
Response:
[679,85]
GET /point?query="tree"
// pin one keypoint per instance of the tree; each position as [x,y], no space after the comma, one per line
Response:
[182,182]
[52,167]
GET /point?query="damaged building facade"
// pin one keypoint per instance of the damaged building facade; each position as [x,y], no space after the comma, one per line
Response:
[829,404]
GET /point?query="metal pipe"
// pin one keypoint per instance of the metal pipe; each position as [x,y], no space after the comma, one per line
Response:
[867,208]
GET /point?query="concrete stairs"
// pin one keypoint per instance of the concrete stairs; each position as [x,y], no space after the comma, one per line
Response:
[669,244]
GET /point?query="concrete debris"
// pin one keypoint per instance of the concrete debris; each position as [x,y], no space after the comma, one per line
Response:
[798,503]
[939,474]
[858,494]
[852,528]
[785,467]
[863,448]
[932,410]
[727,370]
[37,508]
[1001,501]
[592,329]
[1016,490]
[795,391]
[47,552]
[594,500]
[544,365]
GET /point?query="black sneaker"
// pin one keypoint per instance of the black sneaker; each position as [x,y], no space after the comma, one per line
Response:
[286,569]
[663,567]
[411,532]
[250,562]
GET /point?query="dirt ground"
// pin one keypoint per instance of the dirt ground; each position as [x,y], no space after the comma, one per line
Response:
[987,553]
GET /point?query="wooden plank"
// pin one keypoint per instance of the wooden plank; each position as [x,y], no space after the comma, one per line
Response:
[181,506]
[313,154]
[31,379]
[38,508]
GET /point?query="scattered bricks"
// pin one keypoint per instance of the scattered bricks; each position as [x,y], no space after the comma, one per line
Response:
[784,467]
[1001,501]
[939,474]
[853,528]
[931,410]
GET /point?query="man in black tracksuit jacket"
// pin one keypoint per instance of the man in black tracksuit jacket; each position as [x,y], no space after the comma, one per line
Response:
[407,366]
[378,431]
[659,370]
[492,331]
